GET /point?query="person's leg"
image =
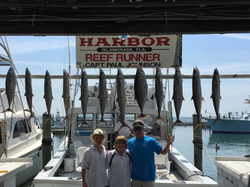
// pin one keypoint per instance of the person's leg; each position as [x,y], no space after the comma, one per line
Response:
[148,183]
[136,183]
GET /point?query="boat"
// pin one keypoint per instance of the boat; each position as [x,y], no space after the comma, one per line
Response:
[64,168]
[233,124]
[19,136]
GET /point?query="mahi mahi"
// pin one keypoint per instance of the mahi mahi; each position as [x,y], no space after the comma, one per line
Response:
[141,89]
[197,95]
[28,92]
[216,94]
[178,95]
[10,86]
[158,92]
[121,97]
[48,94]
[84,97]
[66,96]
[103,95]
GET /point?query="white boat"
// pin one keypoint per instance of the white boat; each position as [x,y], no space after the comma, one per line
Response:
[19,138]
[64,169]
[232,124]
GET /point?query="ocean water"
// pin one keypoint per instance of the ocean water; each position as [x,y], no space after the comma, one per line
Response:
[230,145]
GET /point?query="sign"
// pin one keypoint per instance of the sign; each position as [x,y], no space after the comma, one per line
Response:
[113,52]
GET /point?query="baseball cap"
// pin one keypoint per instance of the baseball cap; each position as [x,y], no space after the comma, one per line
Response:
[138,123]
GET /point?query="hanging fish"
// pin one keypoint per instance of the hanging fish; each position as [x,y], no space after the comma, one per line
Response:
[48,94]
[84,97]
[197,95]
[103,95]
[121,97]
[158,93]
[29,93]
[141,89]
[216,94]
[178,95]
[66,96]
[10,86]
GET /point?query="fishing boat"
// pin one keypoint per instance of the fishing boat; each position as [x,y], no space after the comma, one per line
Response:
[20,137]
[64,168]
[232,124]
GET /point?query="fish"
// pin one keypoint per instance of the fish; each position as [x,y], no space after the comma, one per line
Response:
[197,95]
[29,93]
[10,87]
[216,94]
[66,96]
[178,95]
[84,97]
[103,95]
[121,97]
[141,89]
[158,92]
[48,94]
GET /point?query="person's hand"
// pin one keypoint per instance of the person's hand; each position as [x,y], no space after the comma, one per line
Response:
[107,152]
[170,139]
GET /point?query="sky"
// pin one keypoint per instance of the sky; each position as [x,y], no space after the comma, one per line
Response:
[229,53]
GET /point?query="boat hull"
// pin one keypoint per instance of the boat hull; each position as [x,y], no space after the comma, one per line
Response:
[230,125]
[32,171]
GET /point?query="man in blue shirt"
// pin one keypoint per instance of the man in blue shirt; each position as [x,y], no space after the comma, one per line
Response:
[142,150]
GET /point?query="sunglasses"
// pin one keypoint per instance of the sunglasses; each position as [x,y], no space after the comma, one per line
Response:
[137,128]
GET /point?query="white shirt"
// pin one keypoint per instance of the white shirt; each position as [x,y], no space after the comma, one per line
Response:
[125,131]
[94,160]
[119,173]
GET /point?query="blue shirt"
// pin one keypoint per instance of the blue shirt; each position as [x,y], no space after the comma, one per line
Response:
[143,158]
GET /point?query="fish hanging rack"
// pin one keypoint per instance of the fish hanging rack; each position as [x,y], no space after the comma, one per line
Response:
[222,76]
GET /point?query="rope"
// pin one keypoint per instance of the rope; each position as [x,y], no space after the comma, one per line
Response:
[210,157]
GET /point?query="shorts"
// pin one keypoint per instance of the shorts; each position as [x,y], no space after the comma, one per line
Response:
[136,183]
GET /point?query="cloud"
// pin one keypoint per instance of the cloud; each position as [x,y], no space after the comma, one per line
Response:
[24,45]
[237,36]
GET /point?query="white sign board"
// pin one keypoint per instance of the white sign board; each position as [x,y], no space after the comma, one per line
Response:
[114,52]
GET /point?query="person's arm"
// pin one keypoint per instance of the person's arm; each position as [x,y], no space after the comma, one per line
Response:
[165,149]
[84,184]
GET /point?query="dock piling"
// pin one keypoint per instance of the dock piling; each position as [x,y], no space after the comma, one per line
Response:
[197,141]
[47,141]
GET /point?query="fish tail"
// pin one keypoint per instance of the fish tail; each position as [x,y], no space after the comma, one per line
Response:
[159,117]
[47,119]
[9,110]
[126,125]
[203,125]
[218,119]
[178,121]
[143,116]
[84,123]
[197,125]
[66,118]
[102,121]
[32,116]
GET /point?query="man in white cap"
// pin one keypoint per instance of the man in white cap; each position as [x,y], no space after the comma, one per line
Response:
[94,159]
[142,150]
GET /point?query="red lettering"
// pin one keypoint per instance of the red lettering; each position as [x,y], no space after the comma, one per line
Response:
[88,57]
[156,56]
[89,41]
[102,41]
[117,41]
[133,42]
[148,39]
[162,40]
[119,57]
